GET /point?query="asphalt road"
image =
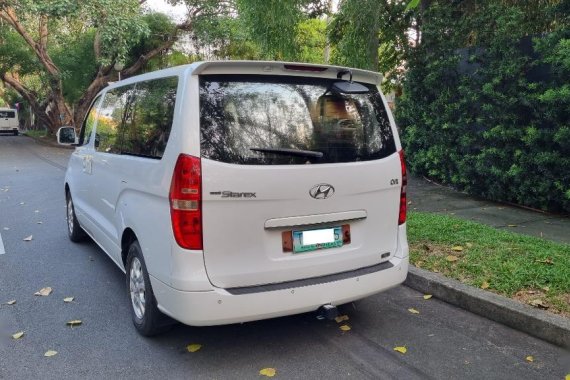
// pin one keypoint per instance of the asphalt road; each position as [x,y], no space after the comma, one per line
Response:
[442,341]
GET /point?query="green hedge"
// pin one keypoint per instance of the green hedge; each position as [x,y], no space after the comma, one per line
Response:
[485,114]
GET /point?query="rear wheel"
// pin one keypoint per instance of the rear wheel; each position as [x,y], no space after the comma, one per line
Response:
[148,320]
[74,230]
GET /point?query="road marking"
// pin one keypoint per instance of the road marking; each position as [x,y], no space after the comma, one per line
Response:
[2,250]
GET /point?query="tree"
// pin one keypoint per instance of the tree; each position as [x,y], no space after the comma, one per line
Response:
[47,32]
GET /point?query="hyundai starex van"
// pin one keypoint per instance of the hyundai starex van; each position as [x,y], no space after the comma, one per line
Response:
[237,191]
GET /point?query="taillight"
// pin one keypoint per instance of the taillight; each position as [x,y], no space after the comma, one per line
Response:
[403,203]
[186,202]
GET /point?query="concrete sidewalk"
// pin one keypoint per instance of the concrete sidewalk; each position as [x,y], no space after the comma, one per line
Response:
[427,196]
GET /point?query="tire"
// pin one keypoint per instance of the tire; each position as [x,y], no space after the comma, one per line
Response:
[74,230]
[147,319]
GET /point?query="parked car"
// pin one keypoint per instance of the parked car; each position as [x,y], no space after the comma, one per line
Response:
[237,191]
[9,122]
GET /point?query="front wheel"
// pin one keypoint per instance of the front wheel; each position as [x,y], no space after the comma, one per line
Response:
[148,320]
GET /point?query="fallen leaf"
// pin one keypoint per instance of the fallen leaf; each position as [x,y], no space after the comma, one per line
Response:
[341,318]
[44,292]
[18,335]
[75,322]
[40,222]
[269,372]
[50,353]
[547,261]
[345,328]
[6,229]
[485,285]
[539,304]
[427,296]
[22,203]
[567,377]
[457,248]
[68,299]
[37,211]
[11,302]
[546,288]
[452,258]
[512,225]
[409,202]
[401,349]
[529,359]
[29,238]
[193,347]
[413,311]
[469,245]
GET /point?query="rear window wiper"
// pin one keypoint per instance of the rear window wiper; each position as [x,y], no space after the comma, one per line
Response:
[290,152]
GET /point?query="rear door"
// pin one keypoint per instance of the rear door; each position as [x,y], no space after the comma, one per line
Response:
[298,181]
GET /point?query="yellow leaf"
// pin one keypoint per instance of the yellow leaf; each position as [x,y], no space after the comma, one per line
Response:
[18,335]
[546,288]
[567,377]
[529,359]
[485,285]
[193,347]
[50,353]
[68,299]
[469,245]
[452,258]
[75,322]
[269,372]
[511,225]
[457,248]
[29,238]
[12,302]
[341,318]
[413,311]
[345,328]
[427,296]
[401,349]
[44,292]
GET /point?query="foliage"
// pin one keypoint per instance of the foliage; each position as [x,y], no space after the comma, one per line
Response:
[311,40]
[484,111]
[375,39]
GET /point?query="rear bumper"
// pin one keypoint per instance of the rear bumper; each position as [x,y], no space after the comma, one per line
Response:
[218,306]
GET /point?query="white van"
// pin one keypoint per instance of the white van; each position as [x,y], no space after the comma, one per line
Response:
[235,191]
[9,121]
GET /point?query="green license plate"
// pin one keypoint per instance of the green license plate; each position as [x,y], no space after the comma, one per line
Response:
[311,240]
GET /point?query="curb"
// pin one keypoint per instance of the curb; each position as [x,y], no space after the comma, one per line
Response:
[549,327]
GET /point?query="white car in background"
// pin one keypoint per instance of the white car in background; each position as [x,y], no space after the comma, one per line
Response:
[237,191]
[9,122]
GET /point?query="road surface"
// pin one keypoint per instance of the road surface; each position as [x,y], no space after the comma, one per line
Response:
[442,341]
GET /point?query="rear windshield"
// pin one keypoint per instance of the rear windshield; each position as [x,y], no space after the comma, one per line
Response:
[276,120]
[7,114]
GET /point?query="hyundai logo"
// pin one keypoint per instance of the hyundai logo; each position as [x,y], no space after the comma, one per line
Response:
[321,191]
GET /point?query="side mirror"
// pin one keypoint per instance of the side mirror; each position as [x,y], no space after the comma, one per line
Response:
[66,136]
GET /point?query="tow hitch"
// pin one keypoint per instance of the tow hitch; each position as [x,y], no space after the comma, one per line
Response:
[328,312]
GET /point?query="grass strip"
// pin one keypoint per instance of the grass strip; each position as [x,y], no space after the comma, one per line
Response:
[526,268]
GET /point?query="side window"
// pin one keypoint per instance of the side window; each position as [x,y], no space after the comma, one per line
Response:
[147,133]
[90,121]
[114,112]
